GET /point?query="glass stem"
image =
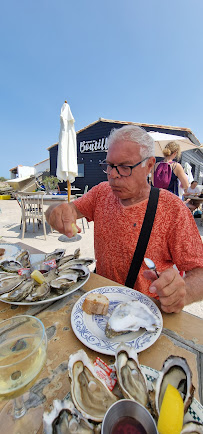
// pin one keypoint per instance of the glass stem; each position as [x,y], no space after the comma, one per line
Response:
[19,407]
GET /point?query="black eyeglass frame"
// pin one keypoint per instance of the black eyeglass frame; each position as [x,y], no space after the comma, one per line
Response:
[124,165]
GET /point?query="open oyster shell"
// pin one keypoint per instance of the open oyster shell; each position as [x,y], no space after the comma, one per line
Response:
[65,419]
[91,396]
[131,380]
[131,316]
[175,371]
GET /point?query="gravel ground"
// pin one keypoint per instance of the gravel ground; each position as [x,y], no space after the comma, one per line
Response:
[10,216]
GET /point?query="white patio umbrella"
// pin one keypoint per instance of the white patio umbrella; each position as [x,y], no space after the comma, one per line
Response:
[162,139]
[67,168]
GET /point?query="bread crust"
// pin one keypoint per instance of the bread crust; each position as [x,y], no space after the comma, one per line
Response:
[97,304]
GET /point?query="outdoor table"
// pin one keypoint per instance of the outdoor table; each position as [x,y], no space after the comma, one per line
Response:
[181,335]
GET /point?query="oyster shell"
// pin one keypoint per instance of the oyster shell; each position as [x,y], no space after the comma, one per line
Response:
[20,292]
[24,258]
[9,282]
[57,254]
[68,258]
[131,380]
[176,371]
[131,316]
[10,265]
[65,419]
[192,428]
[38,292]
[64,281]
[90,395]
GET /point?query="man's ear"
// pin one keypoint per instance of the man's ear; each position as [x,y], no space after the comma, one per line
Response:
[150,164]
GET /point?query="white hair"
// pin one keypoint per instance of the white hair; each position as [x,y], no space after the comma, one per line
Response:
[135,135]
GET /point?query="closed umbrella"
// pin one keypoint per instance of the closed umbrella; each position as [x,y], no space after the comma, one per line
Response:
[67,168]
[162,139]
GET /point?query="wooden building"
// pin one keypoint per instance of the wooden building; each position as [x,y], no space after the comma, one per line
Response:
[92,149]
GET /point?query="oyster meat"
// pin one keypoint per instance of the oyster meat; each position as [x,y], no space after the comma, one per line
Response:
[20,292]
[24,258]
[131,316]
[57,254]
[90,395]
[131,379]
[175,371]
[9,282]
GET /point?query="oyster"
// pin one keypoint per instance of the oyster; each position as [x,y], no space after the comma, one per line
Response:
[90,395]
[20,292]
[65,419]
[57,254]
[24,258]
[175,371]
[39,292]
[81,270]
[10,265]
[9,282]
[131,380]
[192,428]
[131,316]
[68,258]
[64,281]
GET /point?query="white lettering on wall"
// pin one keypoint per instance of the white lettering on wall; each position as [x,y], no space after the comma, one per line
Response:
[94,145]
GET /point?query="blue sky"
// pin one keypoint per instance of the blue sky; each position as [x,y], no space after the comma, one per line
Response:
[130,60]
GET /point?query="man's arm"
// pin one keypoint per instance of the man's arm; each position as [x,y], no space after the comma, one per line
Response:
[194,285]
[61,217]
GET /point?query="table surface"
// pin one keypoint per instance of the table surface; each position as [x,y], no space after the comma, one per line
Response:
[181,335]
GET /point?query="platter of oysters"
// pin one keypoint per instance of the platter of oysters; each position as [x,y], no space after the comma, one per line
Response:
[90,397]
[132,318]
[36,279]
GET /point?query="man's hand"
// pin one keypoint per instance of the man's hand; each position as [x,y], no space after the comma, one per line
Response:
[61,217]
[170,287]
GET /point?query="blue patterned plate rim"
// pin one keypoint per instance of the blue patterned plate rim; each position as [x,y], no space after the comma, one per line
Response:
[90,329]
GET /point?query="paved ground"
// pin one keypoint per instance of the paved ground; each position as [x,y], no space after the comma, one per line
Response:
[10,216]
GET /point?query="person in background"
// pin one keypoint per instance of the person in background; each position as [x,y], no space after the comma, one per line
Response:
[118,207]
[193,190]
[172,152]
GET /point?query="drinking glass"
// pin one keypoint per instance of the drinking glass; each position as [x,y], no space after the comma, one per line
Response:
[23,345]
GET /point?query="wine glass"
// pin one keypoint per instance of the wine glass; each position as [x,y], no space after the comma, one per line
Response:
[23,344]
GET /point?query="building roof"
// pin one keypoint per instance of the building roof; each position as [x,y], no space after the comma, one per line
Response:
[43,161]
[150,127]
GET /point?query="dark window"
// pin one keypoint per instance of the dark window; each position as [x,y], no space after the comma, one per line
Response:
[81,170]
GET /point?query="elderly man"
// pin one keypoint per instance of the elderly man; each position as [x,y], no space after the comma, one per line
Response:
[118,207]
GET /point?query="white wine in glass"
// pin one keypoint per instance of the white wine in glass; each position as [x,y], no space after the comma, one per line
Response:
[23,345]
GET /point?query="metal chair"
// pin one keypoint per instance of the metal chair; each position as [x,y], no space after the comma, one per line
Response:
[32,209]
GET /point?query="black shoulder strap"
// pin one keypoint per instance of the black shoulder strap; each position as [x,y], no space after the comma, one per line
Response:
[143,238]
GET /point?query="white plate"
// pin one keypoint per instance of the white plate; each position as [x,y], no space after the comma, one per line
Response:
[195,411]
[52,298]
[90,329]
[11,250]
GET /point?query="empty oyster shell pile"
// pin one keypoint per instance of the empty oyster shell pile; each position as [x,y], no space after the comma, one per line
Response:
[91,398]
[69,270]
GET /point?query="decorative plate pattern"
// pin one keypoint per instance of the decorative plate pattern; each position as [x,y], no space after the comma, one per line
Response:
[53,297]
[90,329]
[195,411]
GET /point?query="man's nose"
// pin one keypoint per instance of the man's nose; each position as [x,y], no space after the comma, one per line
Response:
[114,173]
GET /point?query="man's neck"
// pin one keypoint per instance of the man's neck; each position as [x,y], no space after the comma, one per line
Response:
[143,194]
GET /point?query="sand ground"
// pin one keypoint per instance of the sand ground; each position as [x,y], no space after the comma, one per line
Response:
[10,217]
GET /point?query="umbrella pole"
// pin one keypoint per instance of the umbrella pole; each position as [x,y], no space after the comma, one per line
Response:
[69,189]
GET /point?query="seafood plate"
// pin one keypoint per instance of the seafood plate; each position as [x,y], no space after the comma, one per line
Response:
[83,411]
[67,275]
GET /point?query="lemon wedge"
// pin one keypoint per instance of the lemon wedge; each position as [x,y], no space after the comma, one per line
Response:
[171,413]
[75,230]
[36,275]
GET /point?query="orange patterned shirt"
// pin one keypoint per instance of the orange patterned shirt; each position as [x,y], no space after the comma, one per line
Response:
[174,239]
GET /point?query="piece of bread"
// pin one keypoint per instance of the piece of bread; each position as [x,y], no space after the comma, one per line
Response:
[97,304]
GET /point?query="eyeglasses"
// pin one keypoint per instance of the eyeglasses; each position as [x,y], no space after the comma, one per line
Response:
[122,169]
